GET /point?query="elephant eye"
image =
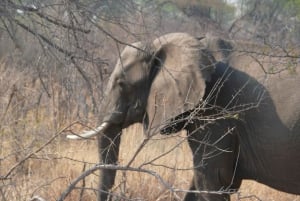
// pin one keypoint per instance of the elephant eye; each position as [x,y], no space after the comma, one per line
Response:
[121,83]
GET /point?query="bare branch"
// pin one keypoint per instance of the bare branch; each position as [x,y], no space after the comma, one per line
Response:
[90,171]
[9,172]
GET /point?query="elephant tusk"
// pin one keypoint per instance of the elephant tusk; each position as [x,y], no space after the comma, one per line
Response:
[89,134]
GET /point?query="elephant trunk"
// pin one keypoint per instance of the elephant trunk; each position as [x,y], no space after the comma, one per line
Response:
[108,135]
[108,144]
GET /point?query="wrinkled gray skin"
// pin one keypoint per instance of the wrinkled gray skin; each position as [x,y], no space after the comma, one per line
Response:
[241,122]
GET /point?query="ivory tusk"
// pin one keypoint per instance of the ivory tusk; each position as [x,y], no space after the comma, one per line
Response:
[89,134]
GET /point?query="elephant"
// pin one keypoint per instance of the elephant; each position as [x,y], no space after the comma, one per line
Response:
[239,107]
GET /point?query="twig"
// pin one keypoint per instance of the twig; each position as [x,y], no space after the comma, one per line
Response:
[83,184]
[126,168]
[46,40]
[110,167]
[35,152]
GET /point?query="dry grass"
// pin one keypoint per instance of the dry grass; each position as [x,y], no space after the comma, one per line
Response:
[26,126]
[155,156]
[49,173]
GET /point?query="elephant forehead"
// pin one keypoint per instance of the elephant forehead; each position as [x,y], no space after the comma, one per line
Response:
[130,70]
[131,63]
[135,51]
[129,53]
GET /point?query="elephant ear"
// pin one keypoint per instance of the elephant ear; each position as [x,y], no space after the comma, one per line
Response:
[183,66]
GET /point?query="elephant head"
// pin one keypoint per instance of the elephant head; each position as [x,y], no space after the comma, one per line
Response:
[151,82]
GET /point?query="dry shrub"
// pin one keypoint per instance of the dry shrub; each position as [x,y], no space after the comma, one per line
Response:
[49,177]
[169,157]
[28,120]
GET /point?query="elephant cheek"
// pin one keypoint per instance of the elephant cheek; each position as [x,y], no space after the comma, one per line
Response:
[114,118]
[133,115]
[114,112]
